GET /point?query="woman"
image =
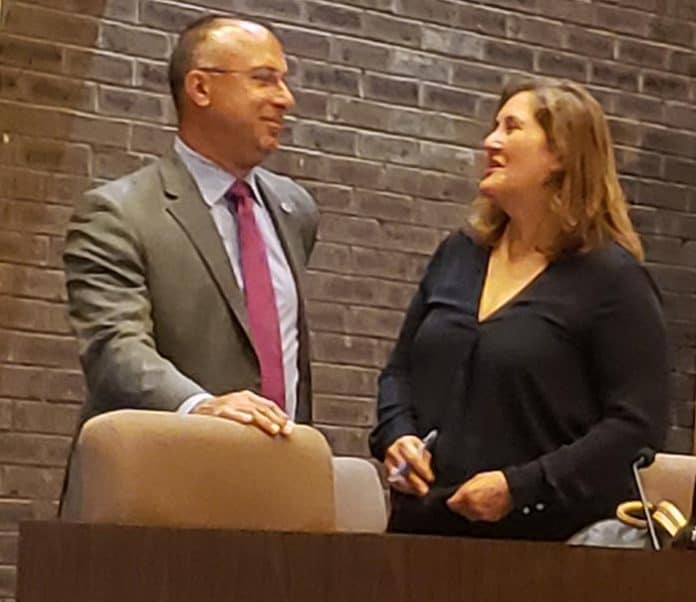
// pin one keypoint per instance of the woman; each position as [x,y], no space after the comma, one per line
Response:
[535,343]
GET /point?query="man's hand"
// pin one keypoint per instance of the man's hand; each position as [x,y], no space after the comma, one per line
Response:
[484,497]
[248,408]
[410,448]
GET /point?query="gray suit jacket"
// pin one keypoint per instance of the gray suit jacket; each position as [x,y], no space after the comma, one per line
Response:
[153,299]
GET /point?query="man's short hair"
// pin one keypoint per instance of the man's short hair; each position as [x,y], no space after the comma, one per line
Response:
[183,56]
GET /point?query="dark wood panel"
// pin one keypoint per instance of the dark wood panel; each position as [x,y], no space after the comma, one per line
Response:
[105,563]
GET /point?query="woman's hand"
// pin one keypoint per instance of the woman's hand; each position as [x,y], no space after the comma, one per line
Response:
[410,448]
[484,497]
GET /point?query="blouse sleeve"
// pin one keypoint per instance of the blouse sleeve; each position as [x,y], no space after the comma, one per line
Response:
[628,359]
[395,410]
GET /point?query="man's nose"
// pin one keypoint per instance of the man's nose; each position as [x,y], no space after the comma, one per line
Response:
[284,97]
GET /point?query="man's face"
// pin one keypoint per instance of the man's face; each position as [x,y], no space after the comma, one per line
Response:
[245,71]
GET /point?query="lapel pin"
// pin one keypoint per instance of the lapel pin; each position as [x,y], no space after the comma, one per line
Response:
[286,207]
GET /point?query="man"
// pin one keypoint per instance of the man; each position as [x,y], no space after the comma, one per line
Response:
[184,278]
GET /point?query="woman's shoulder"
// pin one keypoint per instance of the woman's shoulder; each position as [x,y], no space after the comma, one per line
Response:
[458,242]
[457,253]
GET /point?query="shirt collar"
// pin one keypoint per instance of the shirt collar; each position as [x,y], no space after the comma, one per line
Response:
[212,181]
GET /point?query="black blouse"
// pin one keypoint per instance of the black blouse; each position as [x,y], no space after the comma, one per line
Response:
[559,388]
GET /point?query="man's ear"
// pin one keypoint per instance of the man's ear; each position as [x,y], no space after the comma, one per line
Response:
[197,87]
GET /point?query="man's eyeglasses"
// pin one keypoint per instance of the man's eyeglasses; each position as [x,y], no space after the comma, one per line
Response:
[262,76]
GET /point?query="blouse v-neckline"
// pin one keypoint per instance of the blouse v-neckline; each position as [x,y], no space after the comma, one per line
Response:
[515,298]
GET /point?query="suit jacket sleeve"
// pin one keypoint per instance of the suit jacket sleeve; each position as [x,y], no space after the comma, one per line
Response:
[628,359]
[106,278]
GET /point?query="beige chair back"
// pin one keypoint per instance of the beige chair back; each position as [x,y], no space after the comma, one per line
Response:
[164,469]
[671,477]
[360,504]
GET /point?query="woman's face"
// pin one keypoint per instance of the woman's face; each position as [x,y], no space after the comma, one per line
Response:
[518,159]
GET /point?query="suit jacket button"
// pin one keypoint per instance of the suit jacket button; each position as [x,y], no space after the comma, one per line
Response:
[539,506]
[526,510]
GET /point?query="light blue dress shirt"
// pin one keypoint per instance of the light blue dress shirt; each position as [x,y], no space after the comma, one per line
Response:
[213,182]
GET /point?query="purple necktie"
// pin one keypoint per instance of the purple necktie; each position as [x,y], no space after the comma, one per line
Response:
[259,293]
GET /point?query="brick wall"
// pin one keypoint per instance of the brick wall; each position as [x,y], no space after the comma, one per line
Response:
[393,99]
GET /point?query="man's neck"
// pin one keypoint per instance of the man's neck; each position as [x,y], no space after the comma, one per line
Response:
[197,142]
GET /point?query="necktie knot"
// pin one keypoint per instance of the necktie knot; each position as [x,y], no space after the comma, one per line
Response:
[239,194]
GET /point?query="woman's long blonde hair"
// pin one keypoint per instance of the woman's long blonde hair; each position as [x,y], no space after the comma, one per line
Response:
[588,208]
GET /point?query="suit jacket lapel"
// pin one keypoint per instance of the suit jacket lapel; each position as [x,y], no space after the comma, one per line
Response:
[192,214]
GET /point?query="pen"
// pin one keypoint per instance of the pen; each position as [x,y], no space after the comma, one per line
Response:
[404,468]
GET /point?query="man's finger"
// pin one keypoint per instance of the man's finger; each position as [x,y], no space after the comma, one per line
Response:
[265,423]
[236,415]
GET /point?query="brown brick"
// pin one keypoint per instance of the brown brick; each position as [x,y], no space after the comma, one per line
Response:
[670,141]
[358,290]
[622,20]
[388,148]
[683,62]
[672,87]
[152,76]
[167,16]
[37,350]
[283,9]
[382,205]
[420,65]
[680,170]
[433,10]
[296,163]
[326,316]
[325,138]
[98,66]
[33,315]
[133,40]
[123,10]
[310,103]
[360,53]
[23,184]
[535,31]
[323,76]
[508,55]
[111,164]
[676,279]
[330,257]
[33,217]
[665,195]
[344,349]
[393,265]
[31,282]
[632,161]
[30,54]
[334,17]
[346,441]
[589,43]
[480,19]
[426,184]
[391,89]
[50,24]
[451,100]
[562,65]
[65,188]
[45,89]
[331,197]
[8,578]
[452,159]
[33,482]
[42,450]
[132,104]
[441,214]
[377,322]
[301,42]
[475,77]
[344,170]
[680,115]
[147,139]
[15,247]
[386,28]
[97,130]
[625,132]
[346,411]
[641,53]
[50,155]
[64,385]
[8,548]
[5,416]
[459,44]
[639,107]
[344,380]
[13,511]
[672,31]
[47,418]
[339,228]
[615,74]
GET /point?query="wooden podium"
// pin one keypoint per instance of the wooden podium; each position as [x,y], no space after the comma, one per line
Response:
[67,562]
